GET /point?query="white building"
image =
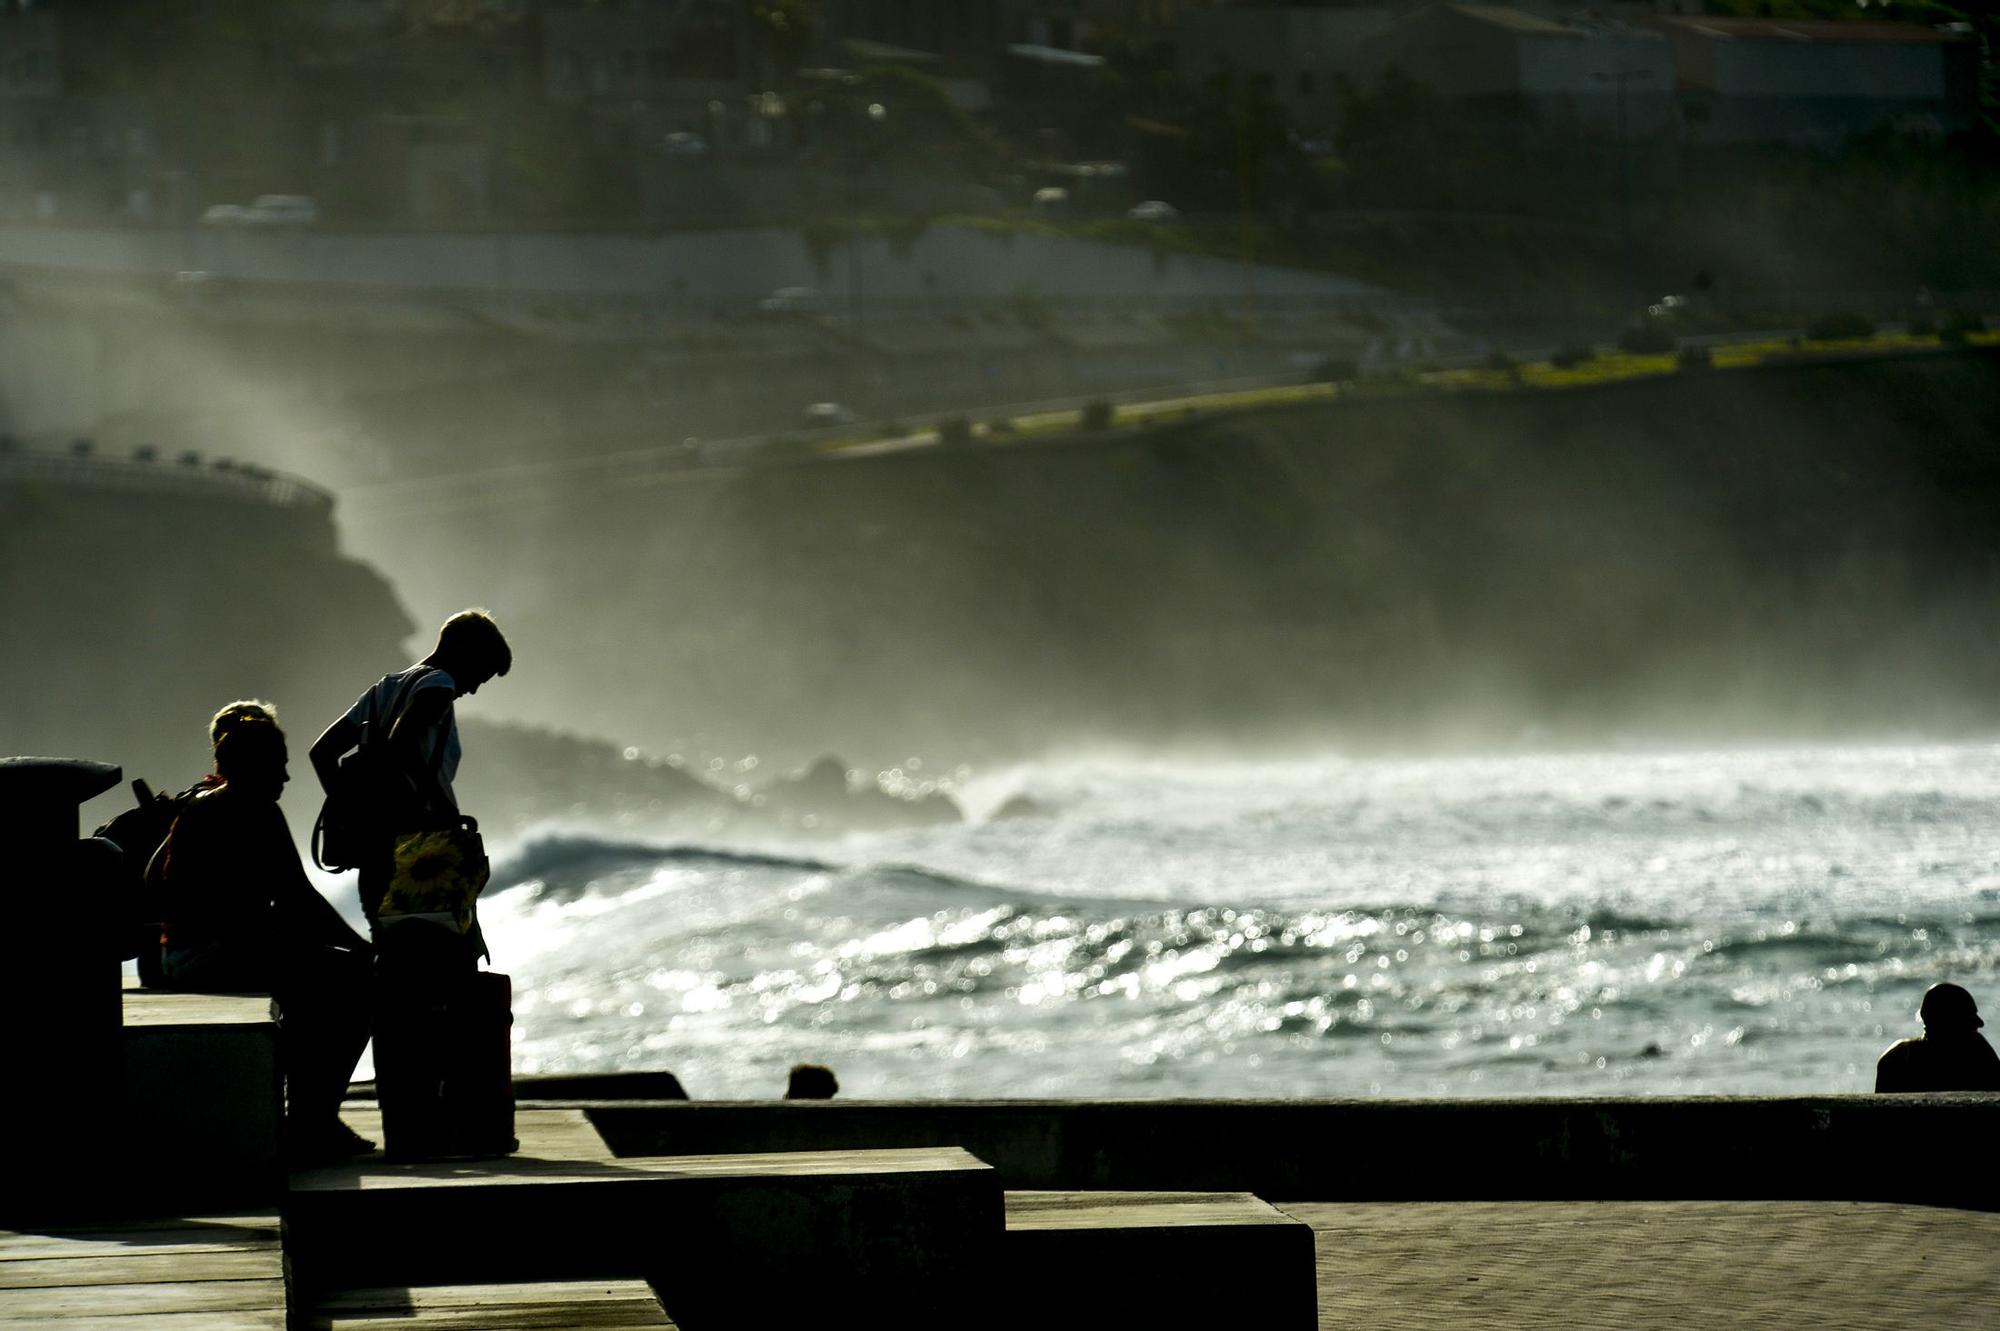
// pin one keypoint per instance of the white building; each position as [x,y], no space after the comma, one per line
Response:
[1296,54]
[1817,81]
[1593,77]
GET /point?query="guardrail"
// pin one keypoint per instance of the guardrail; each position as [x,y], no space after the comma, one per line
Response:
[182,477]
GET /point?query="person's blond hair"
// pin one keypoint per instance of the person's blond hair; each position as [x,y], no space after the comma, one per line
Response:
[235,714]
[471,635]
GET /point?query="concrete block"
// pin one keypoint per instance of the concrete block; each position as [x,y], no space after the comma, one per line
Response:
[599,1305]
[1087,1260]
[203,1100]
[890,1237]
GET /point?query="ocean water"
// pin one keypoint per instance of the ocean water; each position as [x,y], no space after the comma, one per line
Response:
[1576,924]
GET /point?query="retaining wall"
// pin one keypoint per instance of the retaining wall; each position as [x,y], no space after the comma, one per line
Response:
[1940,1150]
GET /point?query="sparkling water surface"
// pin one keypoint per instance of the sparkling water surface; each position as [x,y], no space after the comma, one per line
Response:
[1630,923]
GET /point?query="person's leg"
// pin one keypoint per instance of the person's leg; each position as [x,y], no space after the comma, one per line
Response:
[326,1007]
[215,968]
[373,883]
[417,961]
[421,968]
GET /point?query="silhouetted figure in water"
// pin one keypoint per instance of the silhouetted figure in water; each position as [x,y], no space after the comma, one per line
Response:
[241,918]
[812,1081]
[411,712]
[1951,1055]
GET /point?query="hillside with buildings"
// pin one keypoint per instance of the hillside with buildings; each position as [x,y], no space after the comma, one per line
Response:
[1603,150]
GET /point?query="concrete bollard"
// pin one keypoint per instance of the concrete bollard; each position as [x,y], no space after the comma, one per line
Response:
[60,990]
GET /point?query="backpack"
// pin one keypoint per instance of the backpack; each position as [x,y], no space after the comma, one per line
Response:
[140,911]
[368,796]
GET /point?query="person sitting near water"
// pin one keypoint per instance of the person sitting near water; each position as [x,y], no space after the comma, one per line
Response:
[1951,1054]
[811,1081]
[241,917]
[228,718]
[142,832]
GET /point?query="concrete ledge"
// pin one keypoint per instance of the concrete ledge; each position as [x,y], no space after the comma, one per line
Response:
[544,1134]
[1217,1259]
[727,1240]
[627,1305]
[204,1099]
[1850,1148]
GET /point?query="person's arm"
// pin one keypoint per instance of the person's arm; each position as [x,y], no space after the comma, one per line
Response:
[1889,1075]
[1988,1064]
[332,745]
[421,718]
[315,917]
[298,902]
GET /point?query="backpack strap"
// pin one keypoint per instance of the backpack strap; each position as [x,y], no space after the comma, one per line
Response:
[375,741]
[398,702]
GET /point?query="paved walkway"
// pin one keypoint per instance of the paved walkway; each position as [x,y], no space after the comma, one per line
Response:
[1637,1266]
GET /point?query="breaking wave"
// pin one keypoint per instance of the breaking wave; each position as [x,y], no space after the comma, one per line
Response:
[1582,924]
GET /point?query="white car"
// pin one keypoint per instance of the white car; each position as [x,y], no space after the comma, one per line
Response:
[681,143]
[264,210]
[1153,210]
[282,210]
[792,300]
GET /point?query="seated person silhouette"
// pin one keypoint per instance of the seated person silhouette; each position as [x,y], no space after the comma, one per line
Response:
[242,918]
[1951,1054]
[245,711]
[811,1081]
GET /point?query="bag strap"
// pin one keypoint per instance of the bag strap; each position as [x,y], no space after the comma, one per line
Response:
[319,839]
[376,737]
[379,731]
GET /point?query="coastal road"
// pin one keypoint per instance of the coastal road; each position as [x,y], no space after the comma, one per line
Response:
[1653,1266]
[1059,421]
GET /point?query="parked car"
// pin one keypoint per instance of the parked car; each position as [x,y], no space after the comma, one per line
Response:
[792,300]
[264,210]
[682,143]
[821,414]
[282,210]
[1153,210]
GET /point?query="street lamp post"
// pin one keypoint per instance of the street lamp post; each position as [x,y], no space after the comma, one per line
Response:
[875,115]
[1619,78]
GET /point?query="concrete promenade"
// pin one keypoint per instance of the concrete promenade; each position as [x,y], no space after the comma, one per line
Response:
[1630,1214]
[1641,1266]
[1489,1266]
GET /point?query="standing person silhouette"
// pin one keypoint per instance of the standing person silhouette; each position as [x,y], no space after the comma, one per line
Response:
[411,712]
[1951,1054]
